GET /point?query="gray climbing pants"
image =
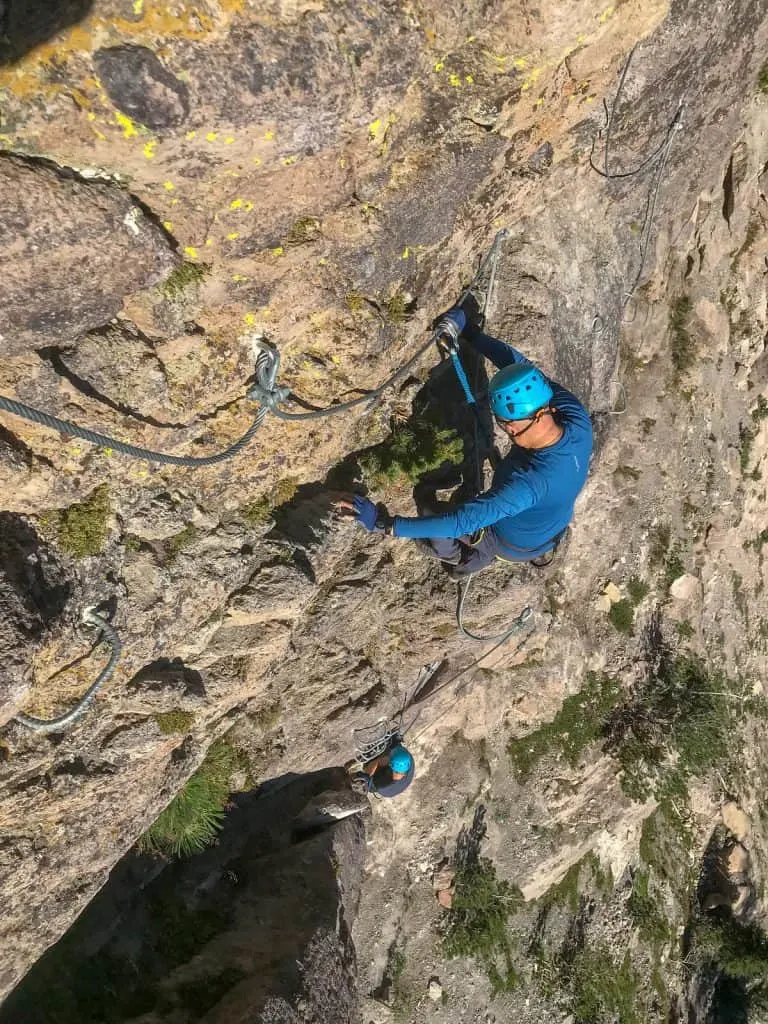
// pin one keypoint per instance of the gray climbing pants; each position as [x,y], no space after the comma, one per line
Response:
[471,554]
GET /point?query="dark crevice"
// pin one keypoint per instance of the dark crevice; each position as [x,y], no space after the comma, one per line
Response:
[729,201]
[169,672]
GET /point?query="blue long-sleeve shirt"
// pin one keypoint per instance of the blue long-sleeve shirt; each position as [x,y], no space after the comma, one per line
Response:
[533,492]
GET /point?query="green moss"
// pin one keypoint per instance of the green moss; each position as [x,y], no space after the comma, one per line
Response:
[682,345]
[82,528]
[192,819]
[476,924]
[170,722]
[305,229]
[395,308]
[660,539]
[186,275]
[622,615]
[412,449]
[259,512]
[176,544]
[637,590]
[579,722]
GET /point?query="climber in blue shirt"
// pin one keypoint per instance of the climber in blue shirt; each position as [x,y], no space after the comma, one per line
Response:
[530,503]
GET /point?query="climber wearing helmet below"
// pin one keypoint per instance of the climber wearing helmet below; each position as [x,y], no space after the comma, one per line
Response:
[528,508]
[390,773]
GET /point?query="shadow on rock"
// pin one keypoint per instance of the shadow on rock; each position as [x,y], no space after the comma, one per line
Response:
[25,24]
[255,928]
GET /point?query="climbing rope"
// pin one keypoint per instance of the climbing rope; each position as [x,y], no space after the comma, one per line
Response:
[265,391]
[659,158]
[46,725]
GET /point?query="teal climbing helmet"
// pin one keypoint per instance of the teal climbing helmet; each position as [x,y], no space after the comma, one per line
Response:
[518,391]
[400,760]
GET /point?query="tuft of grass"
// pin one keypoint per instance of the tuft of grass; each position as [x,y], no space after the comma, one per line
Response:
[186,275]
[176,544]
[637,589]
[258,512]
[762,78]
[682,345]
[412,449]
[396,308]
[579,722]
[194,816]
[476,924]
[82,528]
[622,615]
[170,722]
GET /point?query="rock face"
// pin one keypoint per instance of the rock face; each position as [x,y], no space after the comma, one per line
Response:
[62,239]
[328,174]
[257,928]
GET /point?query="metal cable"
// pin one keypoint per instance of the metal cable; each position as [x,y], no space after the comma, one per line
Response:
[46,725]
[516,625]
[268,397]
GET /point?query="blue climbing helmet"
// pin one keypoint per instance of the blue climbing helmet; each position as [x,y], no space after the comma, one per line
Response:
[518,391]
[400,760]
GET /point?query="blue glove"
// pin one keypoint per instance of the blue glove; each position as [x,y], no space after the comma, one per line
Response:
[367,514]
[452,323]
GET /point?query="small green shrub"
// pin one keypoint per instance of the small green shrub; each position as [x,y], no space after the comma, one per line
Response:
[579,722]
[660,539]
[194,816]
[82,528]
[169,722]
[740,951]
[637,590]
[602,989]
[186,275]
[648,918]
[622,615]
[412,449]
[476,924]
[685,630]
[683,347]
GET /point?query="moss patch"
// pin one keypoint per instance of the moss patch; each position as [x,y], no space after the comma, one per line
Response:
[682,345]
[622,615]
[82,528]
[176,721]
[186,275]
[257,513]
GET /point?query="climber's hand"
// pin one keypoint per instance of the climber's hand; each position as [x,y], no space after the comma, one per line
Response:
[366,514]
[448,326]
[375,518]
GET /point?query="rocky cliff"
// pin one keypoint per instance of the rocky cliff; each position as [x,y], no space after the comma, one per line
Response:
[178,180]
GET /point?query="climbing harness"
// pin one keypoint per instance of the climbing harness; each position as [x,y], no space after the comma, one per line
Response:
[265,391]
[46,725]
